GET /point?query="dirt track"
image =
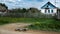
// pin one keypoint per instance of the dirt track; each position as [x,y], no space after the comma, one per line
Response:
[9,29]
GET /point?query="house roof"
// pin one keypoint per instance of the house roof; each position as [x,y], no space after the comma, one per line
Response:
[3,5]
[48,5]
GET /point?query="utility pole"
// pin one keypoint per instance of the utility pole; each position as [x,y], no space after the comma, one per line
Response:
[55,2]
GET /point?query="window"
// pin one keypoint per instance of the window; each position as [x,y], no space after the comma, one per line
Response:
[51,11]
[48,11]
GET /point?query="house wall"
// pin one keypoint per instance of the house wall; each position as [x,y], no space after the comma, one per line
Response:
[43,11]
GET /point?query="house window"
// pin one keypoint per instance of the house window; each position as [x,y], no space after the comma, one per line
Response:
[48,11]
[51,11]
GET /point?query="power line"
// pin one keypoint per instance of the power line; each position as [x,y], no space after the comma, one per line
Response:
[55,2]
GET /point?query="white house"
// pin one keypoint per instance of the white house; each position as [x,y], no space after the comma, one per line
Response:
[49,8]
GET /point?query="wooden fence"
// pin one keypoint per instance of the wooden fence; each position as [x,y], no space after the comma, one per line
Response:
[29,15]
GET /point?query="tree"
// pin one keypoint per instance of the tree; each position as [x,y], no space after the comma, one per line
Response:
[24,10]
[33,10]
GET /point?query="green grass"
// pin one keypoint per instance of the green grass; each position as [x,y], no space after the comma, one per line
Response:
[49,25]
[37,23]
[5,20]
[30,20]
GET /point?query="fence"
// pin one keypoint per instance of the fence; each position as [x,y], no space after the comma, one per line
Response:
[29,15]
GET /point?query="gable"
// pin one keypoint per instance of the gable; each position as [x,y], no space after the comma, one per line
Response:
[3,6]
[48,5]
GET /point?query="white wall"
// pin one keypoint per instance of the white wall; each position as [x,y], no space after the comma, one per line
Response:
[43,11]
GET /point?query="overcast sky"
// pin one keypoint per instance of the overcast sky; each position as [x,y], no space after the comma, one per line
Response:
[28,3]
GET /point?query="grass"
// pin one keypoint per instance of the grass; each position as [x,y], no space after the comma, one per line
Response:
[37,23]
[10,19]
[49,25]
[5,20]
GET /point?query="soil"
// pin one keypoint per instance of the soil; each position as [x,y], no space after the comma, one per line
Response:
[10,29]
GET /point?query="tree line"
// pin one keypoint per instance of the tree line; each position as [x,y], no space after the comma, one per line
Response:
[23,10]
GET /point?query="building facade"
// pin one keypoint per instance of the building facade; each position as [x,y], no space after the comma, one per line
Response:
[48,8]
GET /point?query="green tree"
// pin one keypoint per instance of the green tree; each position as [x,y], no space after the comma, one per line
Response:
[24,10]
[33,10]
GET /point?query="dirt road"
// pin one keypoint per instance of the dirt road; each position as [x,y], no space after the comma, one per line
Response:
[9,29]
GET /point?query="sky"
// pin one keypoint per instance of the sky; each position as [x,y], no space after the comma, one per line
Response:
[28,3]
